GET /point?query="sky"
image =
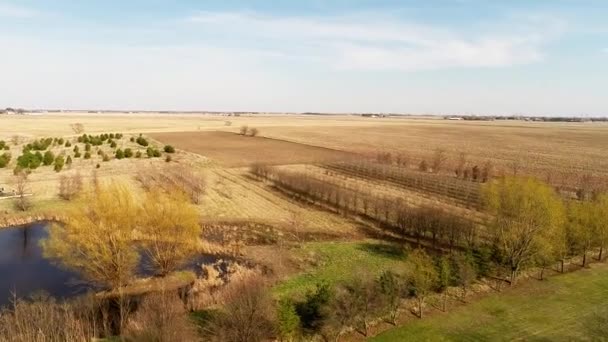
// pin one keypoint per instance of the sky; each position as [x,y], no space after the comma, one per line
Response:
[499,57]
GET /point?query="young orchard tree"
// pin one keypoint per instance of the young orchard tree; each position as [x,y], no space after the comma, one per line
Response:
[171,228]
[439,159]
[465,273]
[445,279]
[423,276]
[393,289]
[95,238]
[580,228]
[601,227]
[525,214]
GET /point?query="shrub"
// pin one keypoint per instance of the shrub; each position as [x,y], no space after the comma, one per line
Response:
[97,166]
[312,311]
[5,159]
[253,132]
[70,186]
[105,157]
[142,141]
[29,160]
[120,154]
[244,130]
[288,321]
[138,154]
[132,139]
[60,141]
[77,155]
[69,160]
[87,147]
[87,155]
[76,149]
[59,162]
[168,158]
[169,149]
[113,144]
[68,144]
[128,153]
[48,159]
[161,317]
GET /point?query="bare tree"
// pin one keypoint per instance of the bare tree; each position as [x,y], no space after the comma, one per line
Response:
[244,130]
[70,186]
[77,127]
[15,140]
[22,202]
[248,314]
[254,132]
[439,159]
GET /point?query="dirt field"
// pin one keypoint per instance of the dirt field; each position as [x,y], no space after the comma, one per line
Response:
[234,150]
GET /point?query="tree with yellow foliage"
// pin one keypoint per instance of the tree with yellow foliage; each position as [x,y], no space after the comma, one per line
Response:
[601,228]
[171,228]
[96,237]
[526,215]
[581,227]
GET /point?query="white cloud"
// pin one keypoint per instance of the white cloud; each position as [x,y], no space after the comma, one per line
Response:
[379,41]
[17,12]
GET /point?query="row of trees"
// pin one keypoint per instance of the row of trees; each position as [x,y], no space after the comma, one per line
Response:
[425,222]
[250,131]
[438,163]
[464,192]
[529,224]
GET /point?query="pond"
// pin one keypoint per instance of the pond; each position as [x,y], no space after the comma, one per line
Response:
[26,272]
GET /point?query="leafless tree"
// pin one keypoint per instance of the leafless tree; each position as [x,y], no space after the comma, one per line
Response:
[248,314]
[439,159]
[21,185]
[70,186]
[77,127]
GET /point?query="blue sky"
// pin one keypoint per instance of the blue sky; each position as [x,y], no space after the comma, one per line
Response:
[543,57]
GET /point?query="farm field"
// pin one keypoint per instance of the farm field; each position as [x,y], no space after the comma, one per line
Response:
[560,309]
[337,199]
[233,150]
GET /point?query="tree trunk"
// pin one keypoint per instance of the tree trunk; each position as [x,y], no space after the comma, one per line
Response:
[419,307]
[562,265]
[584,259]
[599,258]
[542,272]
[513,272]
[445,299]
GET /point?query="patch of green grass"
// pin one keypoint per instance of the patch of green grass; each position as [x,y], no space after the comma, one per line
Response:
[341,261]
[558,309]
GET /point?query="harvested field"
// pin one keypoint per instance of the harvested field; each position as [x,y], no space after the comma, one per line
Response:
[557,150]
[233,150]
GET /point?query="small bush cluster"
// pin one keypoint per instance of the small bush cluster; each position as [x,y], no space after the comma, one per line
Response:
[5,159]
[142,141]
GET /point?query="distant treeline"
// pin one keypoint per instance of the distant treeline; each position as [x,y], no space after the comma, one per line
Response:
[529,118]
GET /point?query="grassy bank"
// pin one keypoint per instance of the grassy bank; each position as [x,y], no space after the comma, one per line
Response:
[334,262]
[563,308]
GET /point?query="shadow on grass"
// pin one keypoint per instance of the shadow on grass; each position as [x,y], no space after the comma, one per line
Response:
[384,250]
